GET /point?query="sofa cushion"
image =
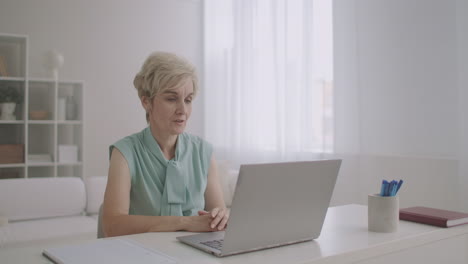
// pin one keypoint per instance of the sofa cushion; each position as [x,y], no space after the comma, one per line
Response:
[95,188]
[34,198]
[48,228]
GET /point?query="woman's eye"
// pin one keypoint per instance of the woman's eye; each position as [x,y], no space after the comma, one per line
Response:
[171,99]
[188,101]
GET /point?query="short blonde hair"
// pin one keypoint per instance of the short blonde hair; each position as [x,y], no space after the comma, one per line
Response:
[161,71]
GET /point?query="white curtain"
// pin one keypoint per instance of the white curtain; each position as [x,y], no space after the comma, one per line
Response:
[268,80]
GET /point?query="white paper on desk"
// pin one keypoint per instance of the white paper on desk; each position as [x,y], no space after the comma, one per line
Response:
[114,251]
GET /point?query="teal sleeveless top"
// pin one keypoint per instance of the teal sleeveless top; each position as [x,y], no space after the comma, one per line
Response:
[166,187]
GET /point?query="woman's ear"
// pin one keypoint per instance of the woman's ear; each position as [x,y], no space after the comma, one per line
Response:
[146,103]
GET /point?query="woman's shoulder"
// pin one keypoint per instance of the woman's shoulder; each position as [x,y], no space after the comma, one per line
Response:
[129,143]
[196,147]
[195,140]
[130,139]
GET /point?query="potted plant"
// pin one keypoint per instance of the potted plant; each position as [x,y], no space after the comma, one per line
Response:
[9,97]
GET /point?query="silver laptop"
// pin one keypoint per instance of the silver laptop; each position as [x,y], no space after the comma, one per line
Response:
[274,205]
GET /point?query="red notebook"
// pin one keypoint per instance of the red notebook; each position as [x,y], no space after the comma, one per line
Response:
[433,216]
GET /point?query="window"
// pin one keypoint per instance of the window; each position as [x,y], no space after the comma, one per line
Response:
[268,80]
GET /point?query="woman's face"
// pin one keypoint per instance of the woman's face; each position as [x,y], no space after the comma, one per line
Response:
[171,109]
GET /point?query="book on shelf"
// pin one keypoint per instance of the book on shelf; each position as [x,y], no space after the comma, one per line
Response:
[11,153]
[433,216]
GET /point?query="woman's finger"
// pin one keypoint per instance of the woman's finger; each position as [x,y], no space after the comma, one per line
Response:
[202,212]
[223,223]
[220,215]
[214,212]
[215,221]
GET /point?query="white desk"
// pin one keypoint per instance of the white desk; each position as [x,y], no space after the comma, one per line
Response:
[344,239]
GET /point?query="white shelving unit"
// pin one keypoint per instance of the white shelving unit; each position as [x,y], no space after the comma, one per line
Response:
[40,136]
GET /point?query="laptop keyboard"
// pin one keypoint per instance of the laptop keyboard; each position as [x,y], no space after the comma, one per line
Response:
[216,244]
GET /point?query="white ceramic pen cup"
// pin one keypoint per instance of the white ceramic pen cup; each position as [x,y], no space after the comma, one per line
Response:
[383,213]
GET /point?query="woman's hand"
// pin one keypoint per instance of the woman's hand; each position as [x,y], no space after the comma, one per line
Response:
[200,223]
[219,216]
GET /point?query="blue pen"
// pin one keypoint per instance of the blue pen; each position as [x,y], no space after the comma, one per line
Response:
[387,186]
[395,186]
[383,187]
[387,189]
[399,186]
[394,191]
[390,188]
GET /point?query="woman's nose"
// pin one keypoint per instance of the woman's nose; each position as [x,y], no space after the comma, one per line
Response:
[181,107]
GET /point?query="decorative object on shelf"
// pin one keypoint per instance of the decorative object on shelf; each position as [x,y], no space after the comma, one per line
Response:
[9,97]
[8,111]
[71,108]
[3,67]
[67,153]
[37,158]
[61,108]
[11,153]
[38,115]
[53,62]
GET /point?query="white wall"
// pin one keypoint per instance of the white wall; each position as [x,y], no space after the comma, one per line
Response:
[398,106]
[407,76]
[462,30]
[346,101]
[104,44]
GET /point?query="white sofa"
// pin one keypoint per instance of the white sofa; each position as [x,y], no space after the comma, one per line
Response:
[38,209]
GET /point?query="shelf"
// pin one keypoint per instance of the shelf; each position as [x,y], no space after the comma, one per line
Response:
[77,82]
[45,164]
[49,117]
[11,122]
[40,164]
[70,122]
[45,122]
[49,122]
[41,122]
[42,80]
[13,165]
[70,163]
[12,79]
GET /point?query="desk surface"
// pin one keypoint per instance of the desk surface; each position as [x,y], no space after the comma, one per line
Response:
[344,239]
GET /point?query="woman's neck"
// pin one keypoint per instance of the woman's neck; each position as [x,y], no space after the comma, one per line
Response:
[167,143]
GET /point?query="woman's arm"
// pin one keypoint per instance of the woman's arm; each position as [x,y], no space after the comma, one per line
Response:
[214,201]
[117,221]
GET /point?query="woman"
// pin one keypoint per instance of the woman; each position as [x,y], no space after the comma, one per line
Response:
[162,179]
